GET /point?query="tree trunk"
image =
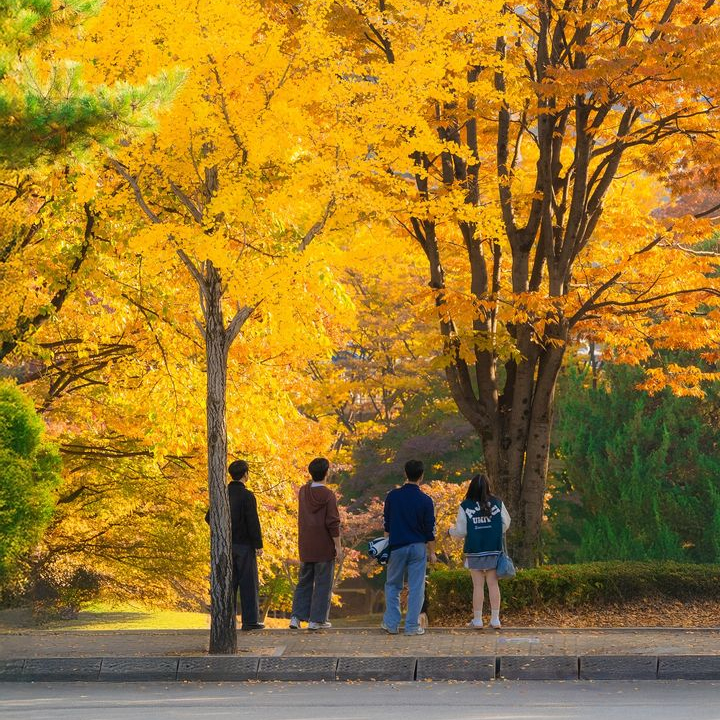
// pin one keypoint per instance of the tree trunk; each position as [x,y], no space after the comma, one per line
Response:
[223,630]
[218,339]
[527,548]
[517,454]
[515,434]
[537,454]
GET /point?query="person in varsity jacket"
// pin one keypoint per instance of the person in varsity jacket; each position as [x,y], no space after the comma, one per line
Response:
[481,520]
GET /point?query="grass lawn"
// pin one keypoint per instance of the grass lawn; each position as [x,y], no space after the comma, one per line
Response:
[104,616]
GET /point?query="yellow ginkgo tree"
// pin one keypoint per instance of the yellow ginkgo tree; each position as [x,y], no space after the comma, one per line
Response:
[228,196]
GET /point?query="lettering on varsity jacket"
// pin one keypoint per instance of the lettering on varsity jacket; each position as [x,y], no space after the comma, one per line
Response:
[484,533]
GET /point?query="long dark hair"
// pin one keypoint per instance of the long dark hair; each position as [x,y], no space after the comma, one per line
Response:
[479,491]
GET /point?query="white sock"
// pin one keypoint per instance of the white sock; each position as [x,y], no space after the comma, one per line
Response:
[477,616]
[495,616]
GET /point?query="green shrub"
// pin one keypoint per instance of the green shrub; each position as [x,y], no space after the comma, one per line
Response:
[59,594]
[573,586]
[29,475]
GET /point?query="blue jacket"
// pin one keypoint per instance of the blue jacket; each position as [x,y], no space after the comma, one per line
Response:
[409,516]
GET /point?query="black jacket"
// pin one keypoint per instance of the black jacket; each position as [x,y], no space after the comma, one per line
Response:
[243,516]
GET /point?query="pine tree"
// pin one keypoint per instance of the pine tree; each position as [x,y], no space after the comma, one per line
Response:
[45,106]
[640,472]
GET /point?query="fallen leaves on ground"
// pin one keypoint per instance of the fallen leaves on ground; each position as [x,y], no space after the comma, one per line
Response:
[655,612]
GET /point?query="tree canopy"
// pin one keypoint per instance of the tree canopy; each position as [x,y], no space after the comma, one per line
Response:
[525,151]
[346,205]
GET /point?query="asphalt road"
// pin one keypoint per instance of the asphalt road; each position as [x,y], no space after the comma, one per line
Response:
[651,700]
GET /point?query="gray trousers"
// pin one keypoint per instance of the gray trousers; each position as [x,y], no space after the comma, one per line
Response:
[245,580]
[311,599]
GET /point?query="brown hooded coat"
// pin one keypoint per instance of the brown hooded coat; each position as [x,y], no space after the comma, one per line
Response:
[318,523]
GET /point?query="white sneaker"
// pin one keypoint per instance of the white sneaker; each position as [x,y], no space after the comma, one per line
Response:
[495,624]
[319,626]
[477,624]
[417,631]
[294,623]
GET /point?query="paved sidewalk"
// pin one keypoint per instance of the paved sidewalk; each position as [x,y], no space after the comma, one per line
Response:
[363,654]
[365,642]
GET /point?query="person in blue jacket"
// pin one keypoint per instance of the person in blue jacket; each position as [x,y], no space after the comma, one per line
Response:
[481,520]
[409,516]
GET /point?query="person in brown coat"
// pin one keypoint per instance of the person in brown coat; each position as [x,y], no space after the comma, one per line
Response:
[319,547]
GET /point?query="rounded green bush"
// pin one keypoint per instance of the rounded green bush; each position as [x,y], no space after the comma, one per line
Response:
[29,475]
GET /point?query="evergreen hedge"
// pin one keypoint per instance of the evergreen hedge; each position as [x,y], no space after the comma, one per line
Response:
[573,586]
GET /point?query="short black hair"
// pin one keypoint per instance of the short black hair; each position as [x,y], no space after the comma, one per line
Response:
[414,470]
[238,469]
[318,469]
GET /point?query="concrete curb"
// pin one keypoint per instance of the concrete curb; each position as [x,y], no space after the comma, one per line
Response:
[618,667]
[218,668]
[479,667]
[689,667]
[297,668]
[538,667]
[62,669]
[233,668]
[376,668]
[139,669]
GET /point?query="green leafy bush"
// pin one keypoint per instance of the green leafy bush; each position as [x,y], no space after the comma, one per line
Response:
[29,475]
[61,594]
[573,586]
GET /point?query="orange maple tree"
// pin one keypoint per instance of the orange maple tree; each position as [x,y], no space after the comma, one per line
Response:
[523,149]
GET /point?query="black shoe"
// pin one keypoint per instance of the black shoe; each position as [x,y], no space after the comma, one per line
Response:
[253,626]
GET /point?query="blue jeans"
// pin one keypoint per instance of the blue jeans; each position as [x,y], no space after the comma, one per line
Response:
[410,560]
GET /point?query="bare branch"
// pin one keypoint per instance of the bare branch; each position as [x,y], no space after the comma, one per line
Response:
[710,211]
[226,115]
[318,226]
[235,325]
[25,324]
[377,38]
[589,303]
[656,298]
[503,150]
[692,251]
[132,182]
[187,202]
[193,270]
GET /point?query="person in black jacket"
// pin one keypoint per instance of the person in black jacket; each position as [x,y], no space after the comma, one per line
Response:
[246,544]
